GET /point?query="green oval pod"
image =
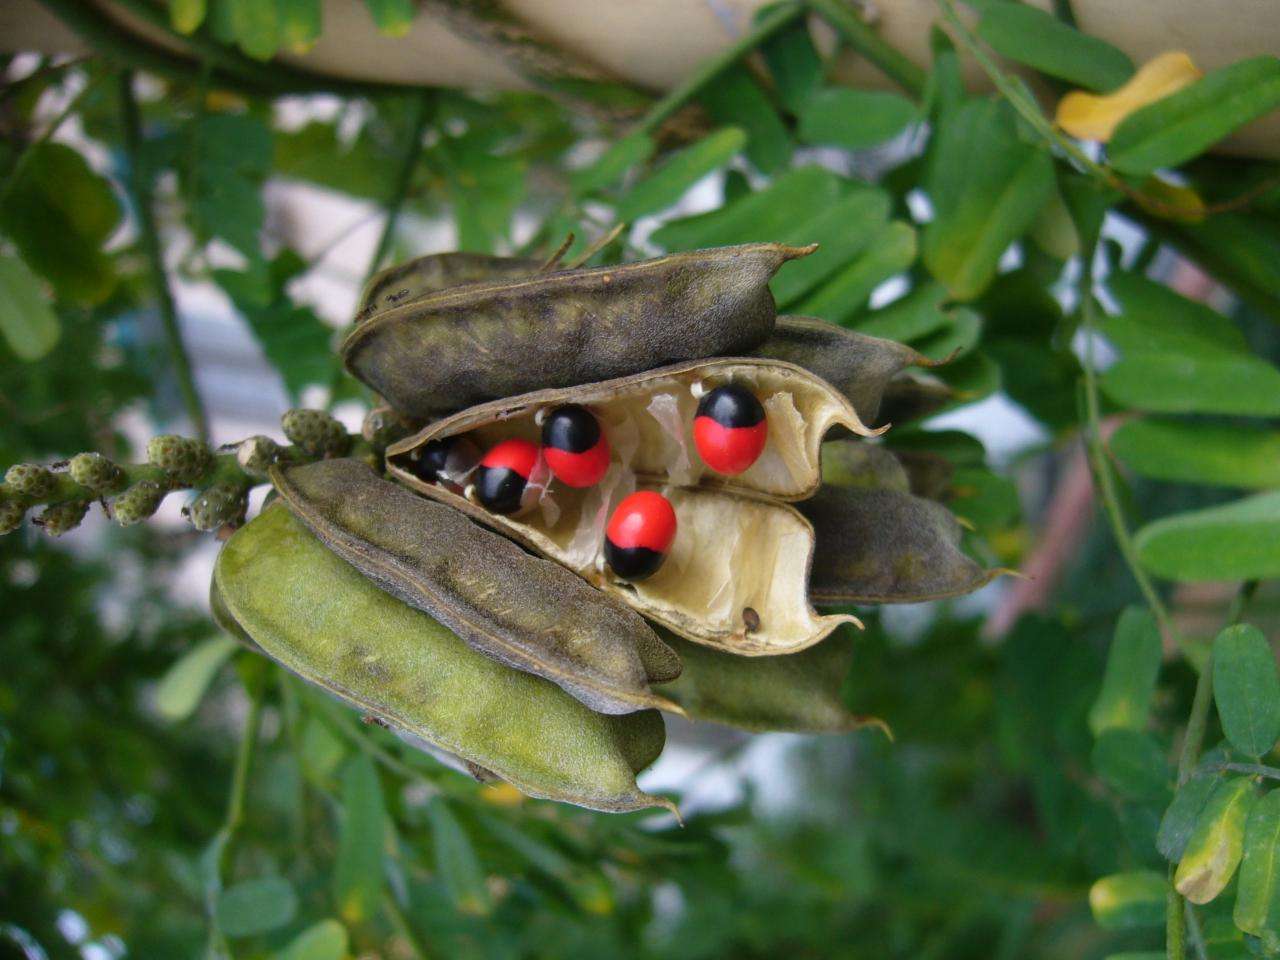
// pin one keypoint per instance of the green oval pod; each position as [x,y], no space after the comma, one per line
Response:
[484,341]
[736,576]
[1213,852]
[885,546]
[319,617]
[520,610]
[414,279]
[799,693]
[859,366]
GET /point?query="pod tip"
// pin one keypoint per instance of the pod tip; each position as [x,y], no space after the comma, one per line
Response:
[795,253]
[867,720]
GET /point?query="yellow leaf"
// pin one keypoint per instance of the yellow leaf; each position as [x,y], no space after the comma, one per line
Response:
[1093,117]
[1170,201]
[502,794]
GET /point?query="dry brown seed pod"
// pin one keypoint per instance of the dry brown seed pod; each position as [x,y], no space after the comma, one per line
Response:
[887,546]
[480,342]
[859,366]
[319,617]
[737,574]
[414,279]
[522,611]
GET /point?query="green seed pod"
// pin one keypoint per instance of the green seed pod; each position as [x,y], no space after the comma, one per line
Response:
[522,611]
[184,459]
[799,693]
[30,480]
[315,432]
[885,546]
[96,472]
[138,502]
[736,577]
[319,617]
[62,517]
[217,506]
[256,455]
[1217,842]
[406,282]
[485,341]
[11,514]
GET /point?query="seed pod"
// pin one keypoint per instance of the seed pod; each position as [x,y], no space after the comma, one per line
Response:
[11,514]
[575,448]
[484,341]
[315,432]
[909,397]
[866,466]
[96,472]
[884,546]
[859,366]
[737,573]
[62,517]
[1213,852]
[217,506]
[30,480]
[256,455]
[320,618]
[414,279]
[137,503]
[184,459]
[799,693]
[521,611]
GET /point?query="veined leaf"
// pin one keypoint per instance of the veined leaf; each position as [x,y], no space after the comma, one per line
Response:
[256,906]
[1124,901]
[1246,689]
[358,874]
[987,187]
[184,684]
[1181,383]
[1039,39]
[1132,763]
[1236,541]
[1185,124]
[1213,852]
[842,232]
[27,321]
[613,164]
[457,863]
[1257,907]
[1092,117]
[1154,319]
[736,100]
[1133,664]
[1183,451]
[1181,816]
[916,315]
[855,119]
[668,183]
[889,251]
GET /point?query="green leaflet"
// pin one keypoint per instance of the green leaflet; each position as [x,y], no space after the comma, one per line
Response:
[855,119]
[1129,683]
[456,861]
[358,871]
[323,620]
[1258,894]
[668,183]
[1183,451]
[256,906]
[1235,541]
[1039,39]
[27,321]
[1246,689]
[1177,383]
[1125,901]
[1181,816]
[184,684]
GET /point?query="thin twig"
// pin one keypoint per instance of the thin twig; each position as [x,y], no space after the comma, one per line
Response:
[140,187]
[890,61]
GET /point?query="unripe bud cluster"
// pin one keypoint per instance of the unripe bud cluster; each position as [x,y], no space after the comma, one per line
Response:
[217,506]
[183,459]
[96,472]
[257,454]
[11,514]
[30,480]
[315,432]
[138,502]
[62,517]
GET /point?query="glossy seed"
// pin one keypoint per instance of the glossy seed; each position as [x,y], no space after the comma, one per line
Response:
[575,447]
[502,482]
[639,535]
[729,429]
[450,459]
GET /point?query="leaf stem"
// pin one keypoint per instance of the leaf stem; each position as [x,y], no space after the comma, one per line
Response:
[769,24]
[891,62]
[140,188]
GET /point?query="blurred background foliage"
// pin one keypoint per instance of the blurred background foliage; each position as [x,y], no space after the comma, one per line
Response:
[1060,774]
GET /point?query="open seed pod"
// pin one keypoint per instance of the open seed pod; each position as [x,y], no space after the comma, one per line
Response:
[482,341]
[737,574]
[520,610]
[322,619]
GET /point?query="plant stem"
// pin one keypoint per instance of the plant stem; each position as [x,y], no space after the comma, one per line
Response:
[140,187]
[768,25]
[891,61]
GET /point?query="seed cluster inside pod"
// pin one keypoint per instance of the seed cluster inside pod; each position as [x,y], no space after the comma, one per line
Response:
[727,561]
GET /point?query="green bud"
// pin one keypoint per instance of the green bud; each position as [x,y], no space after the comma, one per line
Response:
[138,502]
[183,459]
[30,480]
[256,454]
[11,514]
[220,504]
[96,472]
[62,517]
[315,432]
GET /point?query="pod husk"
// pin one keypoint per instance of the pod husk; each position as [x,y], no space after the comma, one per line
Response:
[736,578]
[859,366]
[853,463]
[414,279]
[886,546]
[319,617]
[480,342]
[800,693]
[518,609]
